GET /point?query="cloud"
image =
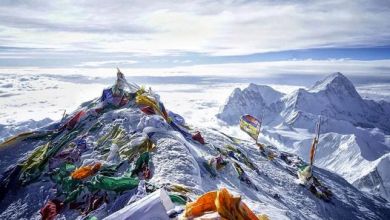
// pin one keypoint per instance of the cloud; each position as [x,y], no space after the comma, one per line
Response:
[109,62]
[214,28]
[375,70]
[159,61]
[182,61]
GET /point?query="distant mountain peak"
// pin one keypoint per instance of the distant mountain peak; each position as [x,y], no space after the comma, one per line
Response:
[253,100]
[262,88]
[236,90]
[336,82]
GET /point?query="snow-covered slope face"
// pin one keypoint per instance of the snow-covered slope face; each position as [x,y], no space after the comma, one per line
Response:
[377,181]
[7,131]
[344,149]
[355,130]
[252,100]
[353,158]
[179,160]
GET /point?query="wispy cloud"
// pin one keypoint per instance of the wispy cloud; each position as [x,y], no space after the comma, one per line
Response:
[286,71]
[105,63]
[182,61]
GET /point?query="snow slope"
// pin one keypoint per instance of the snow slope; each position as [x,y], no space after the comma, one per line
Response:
[355,132]
[9,130]
[178,161]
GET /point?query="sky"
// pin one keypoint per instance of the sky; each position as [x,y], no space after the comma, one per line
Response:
[254,39]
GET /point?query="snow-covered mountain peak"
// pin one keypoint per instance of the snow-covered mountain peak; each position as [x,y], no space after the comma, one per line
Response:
[337,98]
[336,82]
[269,94]
[252,100]
[236,91]
[334,97]
[255,87]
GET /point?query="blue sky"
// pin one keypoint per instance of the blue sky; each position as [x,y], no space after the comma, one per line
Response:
[205,35]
